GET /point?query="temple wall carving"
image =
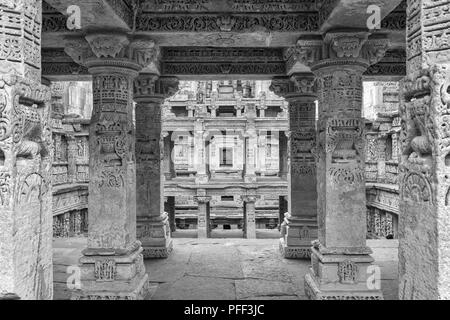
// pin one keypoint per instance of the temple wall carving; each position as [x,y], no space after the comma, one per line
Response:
[25,156]
[381,109]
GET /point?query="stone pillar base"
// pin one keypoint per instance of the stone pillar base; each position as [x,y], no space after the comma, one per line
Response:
[297,235]
[112,277]
[158,252]
[294,252]
[154,233]
[338,276]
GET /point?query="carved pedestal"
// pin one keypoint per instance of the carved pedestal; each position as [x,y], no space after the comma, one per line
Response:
[341,262]
[300,225]
[340,275]
[112,266]
[26,152]
[297,233]
[153,228]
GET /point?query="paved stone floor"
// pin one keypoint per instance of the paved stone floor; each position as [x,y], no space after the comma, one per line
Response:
[225,269]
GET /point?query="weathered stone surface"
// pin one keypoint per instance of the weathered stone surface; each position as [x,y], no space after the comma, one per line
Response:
[25,156]
[172,281]
[252,288]
[424,178]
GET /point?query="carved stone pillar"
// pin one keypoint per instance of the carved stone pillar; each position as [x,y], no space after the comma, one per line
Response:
[191,109]
[249,216]
[213,109]
[200,155]
[301,224]
[239,107]
[251,151]
[203,222]
[424,219]
[340,258]
[112,267]
[72,151]
[153,228]
[381,164]
[26,153]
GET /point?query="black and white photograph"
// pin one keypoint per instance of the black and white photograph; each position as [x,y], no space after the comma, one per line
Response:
[225,155]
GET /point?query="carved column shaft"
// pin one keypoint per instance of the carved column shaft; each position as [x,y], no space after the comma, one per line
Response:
[250,216]
[340,258]
[26,153]
[200,155]
[424,176]
[301,223]
[72,151]
[153,227]
[112,265]
[203,222]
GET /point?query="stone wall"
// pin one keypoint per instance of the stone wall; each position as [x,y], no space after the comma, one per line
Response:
[382,158]
[71,107]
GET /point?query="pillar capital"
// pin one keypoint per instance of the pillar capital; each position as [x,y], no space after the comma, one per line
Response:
[149,87]
[295,86]
[339,47]
[98,51]
[250,198]
[202,199]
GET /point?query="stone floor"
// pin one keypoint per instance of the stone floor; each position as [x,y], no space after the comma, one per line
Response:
[225,269]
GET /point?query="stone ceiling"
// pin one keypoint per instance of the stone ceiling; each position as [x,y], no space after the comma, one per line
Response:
[222,37]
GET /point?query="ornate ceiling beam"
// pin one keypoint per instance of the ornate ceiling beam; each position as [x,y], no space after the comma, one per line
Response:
[391,67]
[95,14]
[58,66]
[192,62]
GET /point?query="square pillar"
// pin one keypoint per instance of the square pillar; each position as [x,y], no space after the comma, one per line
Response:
[112,266]
[203,224]
[300,224]
[26,152]
[341,262]
[249,216]
[200,156]
[424,219]
[153,227]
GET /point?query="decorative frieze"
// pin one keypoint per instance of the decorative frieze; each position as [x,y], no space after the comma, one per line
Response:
[303,21]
